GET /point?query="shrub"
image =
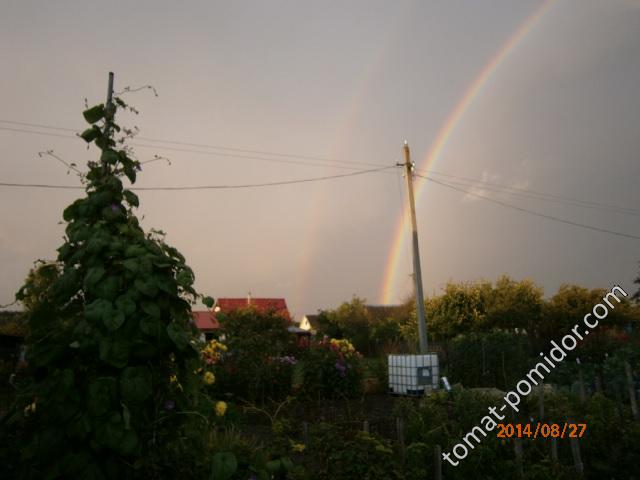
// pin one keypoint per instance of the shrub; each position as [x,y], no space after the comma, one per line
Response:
[496,359]
[345,455]
[259,363]
[332,369]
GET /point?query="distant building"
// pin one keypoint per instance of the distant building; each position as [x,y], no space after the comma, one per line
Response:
[207,322]
[309,323]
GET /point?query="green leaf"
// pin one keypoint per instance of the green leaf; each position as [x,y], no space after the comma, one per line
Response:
[114,321]
[68,284]
[102,393]
[98,310]
[131,264]
[208,301]
[71,211]
[135,384]
[79,427]
[144,350]
[166,284]
[64,251]
[134,251]
[108,288]
[94,275]
[178,335]
[151,326]
[110,433]
[128,443]
[93,114]
[151,309]
[185,278]
[90,134]
[126,305]
[273,466]
[146,287]
[131,198]
[126,416]
[114,353]
[287,464]
[130,172]
[109,156]
[223,466]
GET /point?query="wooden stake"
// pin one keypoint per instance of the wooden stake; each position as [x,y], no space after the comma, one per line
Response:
[632,391]
[577,460]
[583,393]
[400,432]
[517,447]
[437,464]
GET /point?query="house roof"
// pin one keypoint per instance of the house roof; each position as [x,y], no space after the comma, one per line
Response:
[278,305]
[205,320]
[313,321]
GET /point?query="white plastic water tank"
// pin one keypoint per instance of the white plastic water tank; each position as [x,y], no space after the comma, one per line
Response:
[413,374]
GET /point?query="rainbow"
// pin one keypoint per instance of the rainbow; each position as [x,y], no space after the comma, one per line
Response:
[388,293]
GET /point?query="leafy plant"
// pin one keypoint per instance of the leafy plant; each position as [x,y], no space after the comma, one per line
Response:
[332,369]
[110,324]
[258,365]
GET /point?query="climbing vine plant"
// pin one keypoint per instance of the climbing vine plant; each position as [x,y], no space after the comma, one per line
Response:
[114,371]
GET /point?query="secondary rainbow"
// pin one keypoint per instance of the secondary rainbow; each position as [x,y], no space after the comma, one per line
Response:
[444,134]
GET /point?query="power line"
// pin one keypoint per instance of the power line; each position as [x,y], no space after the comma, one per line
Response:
[288,158]
[527,194]
[207,187]
[196,145]
[533,193]
[532,212]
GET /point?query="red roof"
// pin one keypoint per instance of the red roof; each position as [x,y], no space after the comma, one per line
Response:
[277,305]
[205,320]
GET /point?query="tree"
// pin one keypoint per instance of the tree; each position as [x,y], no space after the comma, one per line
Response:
[514,305]
[38,283]
[111,337]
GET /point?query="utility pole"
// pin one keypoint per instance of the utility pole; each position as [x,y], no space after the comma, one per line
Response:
[108,116]
[417,272]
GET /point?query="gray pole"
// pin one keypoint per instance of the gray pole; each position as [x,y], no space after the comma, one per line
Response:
[108,116]
[417,272]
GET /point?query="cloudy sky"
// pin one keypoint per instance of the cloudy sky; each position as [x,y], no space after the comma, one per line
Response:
[547,120]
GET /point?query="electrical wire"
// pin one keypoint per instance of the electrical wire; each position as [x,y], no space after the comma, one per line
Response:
[196,145]
[532,212]
[209,187]
[288,158]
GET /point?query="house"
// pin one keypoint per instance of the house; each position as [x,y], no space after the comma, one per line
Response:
[309,323]
[207,322]
[277,305]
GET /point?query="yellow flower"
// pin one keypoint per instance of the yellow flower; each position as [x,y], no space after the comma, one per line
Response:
[221,408]
[298,447]
[209,378]
[30,408]
[173,379]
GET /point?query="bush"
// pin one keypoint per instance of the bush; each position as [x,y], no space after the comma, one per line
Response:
[347,455]
[332,369]
[497,359]
[259,363]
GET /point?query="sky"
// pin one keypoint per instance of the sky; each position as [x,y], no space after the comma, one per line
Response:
[546,98]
